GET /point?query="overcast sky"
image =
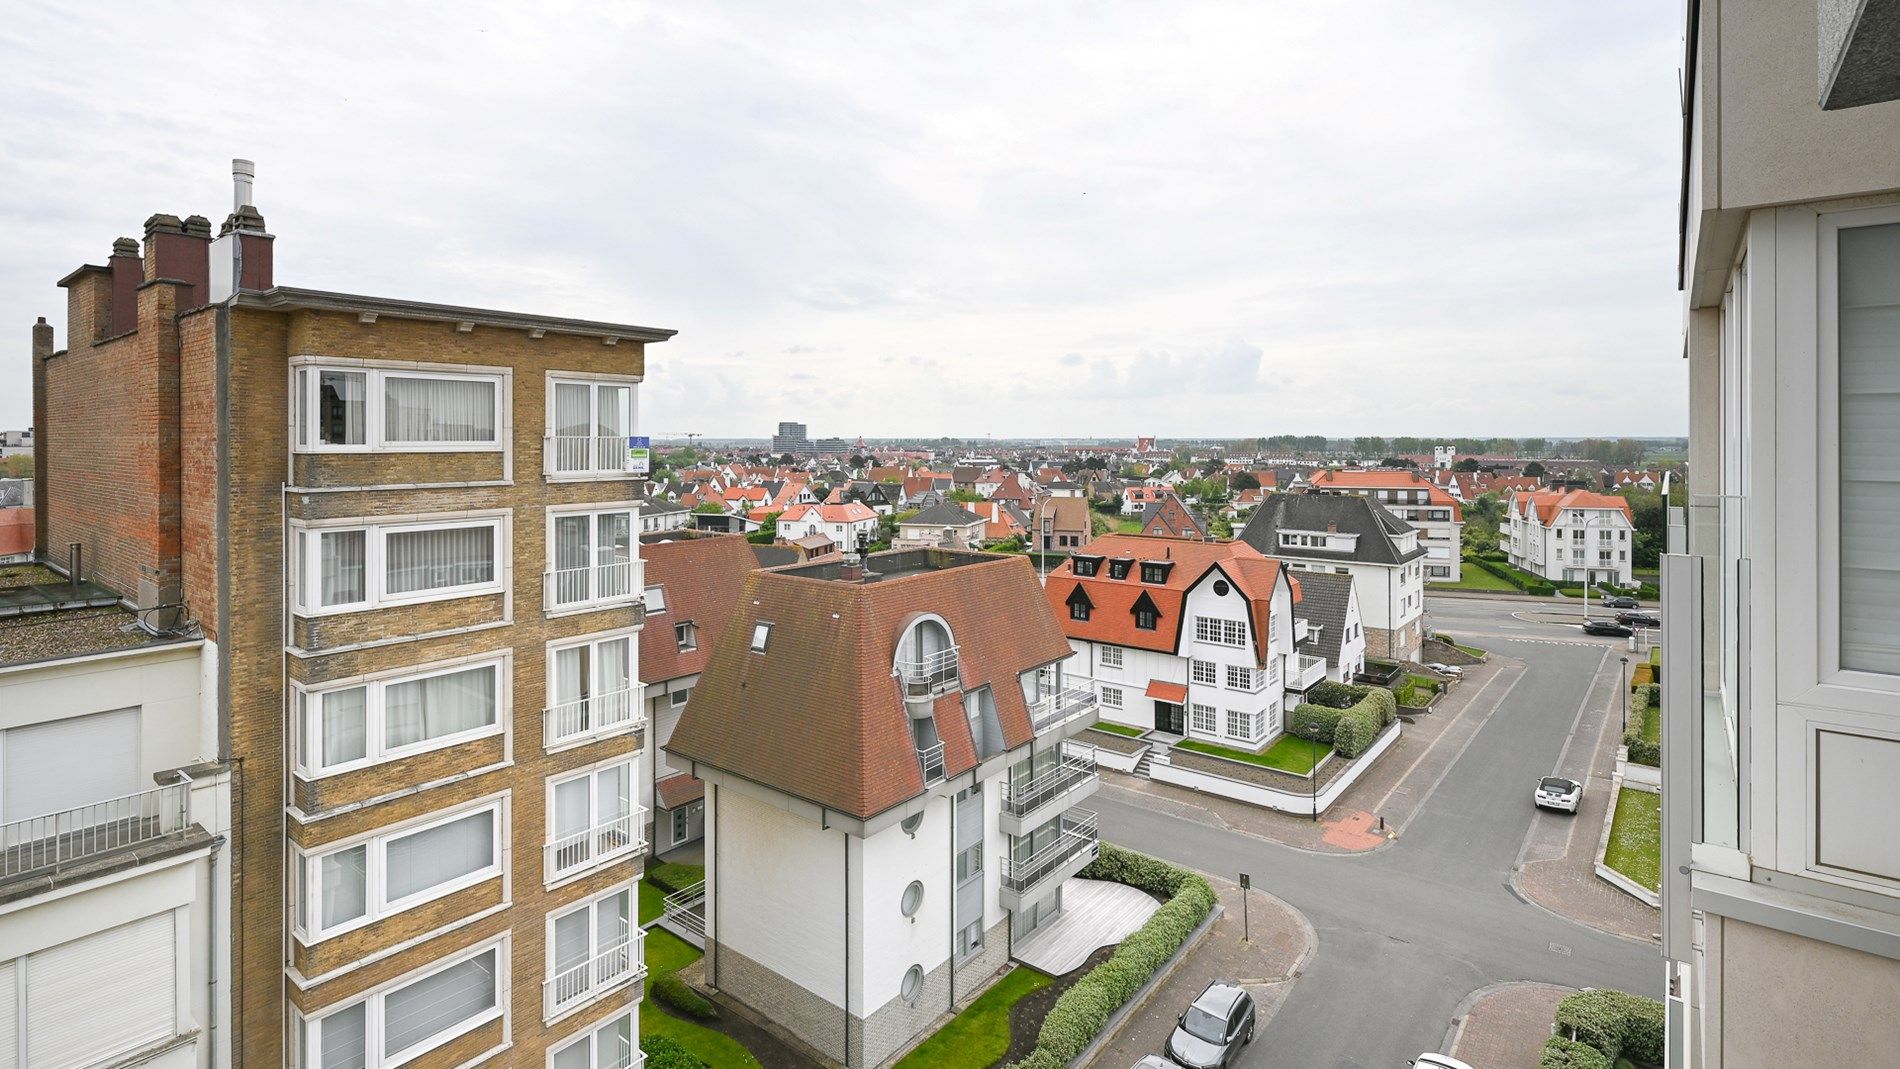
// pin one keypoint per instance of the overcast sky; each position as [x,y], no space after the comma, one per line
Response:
[1222,219]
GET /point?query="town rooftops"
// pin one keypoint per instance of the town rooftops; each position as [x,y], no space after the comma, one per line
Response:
[801,694]
[1385,479]
[943,514]
[849,512]
[699,581]
[1378,531]
[46,617]
[1114,583]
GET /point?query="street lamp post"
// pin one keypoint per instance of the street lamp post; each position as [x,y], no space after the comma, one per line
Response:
[1312,747]
[1623,678]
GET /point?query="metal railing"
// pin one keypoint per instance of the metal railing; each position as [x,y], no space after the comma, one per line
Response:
[1052,709]
[580,453]
[686,908]
[56,839]
[1078,836]
[933,674]
[1075,767]
[1308,671]
[623,960]
[592,715]
[931,758]
[595,582]
[612,838]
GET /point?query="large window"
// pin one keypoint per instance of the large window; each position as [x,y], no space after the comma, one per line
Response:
[347,569]
[609,1046]
[1240,677]
[348,727]
[352,885]
[1205,719]
[1111,656]
[591,689]
[1869,447]
[1206,673]
[591,948]
[588,427]
[357,409]
[591,558]
[407,1019]
[94,1000]
[591,819]
[1220,632]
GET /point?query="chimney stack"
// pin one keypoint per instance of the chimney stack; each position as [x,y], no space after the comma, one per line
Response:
[241,257]
[128,274]
[243,174]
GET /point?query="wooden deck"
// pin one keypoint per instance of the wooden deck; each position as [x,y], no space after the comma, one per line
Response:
[1095,913]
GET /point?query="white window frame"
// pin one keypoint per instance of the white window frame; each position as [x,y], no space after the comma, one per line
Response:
[1250,679]
[635,815]
[309,905]
[307,711]
[1220,631]
[305,379]
[1203,673]
[587,1034]
[1111,656]
[1204,719]
[1112,697]
[592,381]
[552,1013]
[309,1025]
[306,561]
[636,696]
[636,567]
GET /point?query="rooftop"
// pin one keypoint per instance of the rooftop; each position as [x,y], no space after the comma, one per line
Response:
[46,617]
[895,564]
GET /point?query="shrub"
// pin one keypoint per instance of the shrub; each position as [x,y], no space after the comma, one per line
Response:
[672,992]
[1615,1023]
[1357,728]
[1336,695]
[1387,705]
[1645,702]
[1561,1053]
[1311,720]
[665,1052]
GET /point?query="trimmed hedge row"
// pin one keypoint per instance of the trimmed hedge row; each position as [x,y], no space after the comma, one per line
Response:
[1351,731]
[1615,1024]
[1529,584]
[1083,1010]
[665,1052]
[1645,702]
[1561,1053]
[673,993]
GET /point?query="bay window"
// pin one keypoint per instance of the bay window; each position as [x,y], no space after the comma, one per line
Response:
[368,408]
[591,949]
[413,1015]
[365,566]
[588,426]
[592,689]
[591,557]
[347,727]
[591,819]
[388,871]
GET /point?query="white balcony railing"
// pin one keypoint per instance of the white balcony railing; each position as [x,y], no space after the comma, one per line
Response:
[613,838]
[1075,767]
[1052,709]
[931,759]
[581,454]
[932,674]
[1306,671]
[591,583]
[621,961]
[58,839]
[1078,835]
[595,714]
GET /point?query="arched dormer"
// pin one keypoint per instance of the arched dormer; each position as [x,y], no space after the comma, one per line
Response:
[926,658]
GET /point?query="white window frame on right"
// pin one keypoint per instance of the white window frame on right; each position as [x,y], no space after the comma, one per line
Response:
[614,958]
[306,561]
[308,702]
[567,458]
[378,906]
[603,588]
[305,384]
[594,856]
[600,713]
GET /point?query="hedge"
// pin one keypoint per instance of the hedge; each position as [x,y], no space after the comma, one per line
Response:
[1645,702]
[1350,731]
[1616,1023]
[665,1052]
[1084,1009]
[1561,1053]
[672,992]
[1336,695]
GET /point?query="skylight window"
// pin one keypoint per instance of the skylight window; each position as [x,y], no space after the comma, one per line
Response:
[761,633]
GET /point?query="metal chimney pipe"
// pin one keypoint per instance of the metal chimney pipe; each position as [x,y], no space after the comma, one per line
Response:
[243,173]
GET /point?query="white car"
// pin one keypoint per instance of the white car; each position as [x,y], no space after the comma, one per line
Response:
[1556,792]
[1445,669]
[1438,1061]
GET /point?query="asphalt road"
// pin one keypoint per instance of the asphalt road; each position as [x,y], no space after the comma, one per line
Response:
[1407,932]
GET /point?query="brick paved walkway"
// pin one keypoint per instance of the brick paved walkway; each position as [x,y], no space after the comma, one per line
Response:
[1506,1025]
[1267,965]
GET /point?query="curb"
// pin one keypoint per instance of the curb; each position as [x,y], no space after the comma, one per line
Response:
[1140,998]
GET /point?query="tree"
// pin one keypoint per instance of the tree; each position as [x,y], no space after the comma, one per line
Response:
[859,460]
[18,466]
[1535,447]
[1095,464]
[1534,470]
[767,532]
[965,495]
[1243,480]
[1467,464]
[1398,462]
[710,507]
[1409,445]
[787,458]
[1650,519]
[1368,446]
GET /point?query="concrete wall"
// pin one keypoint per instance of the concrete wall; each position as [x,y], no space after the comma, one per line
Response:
[1796,1001]
[162,684]
[780,894]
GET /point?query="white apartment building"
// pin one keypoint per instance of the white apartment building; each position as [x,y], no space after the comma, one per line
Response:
[113,892]
[1781,588]
[900,810]
[1182,636]
[843,524]
[1349,535]
[1571,536]
[1428,507]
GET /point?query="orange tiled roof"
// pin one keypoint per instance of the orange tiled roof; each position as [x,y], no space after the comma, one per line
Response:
[1112,613]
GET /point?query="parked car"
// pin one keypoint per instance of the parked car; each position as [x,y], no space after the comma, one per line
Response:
[1217,1024]
[1444,669]
[1154,1061]
[1618,601]
[1639,619]
[1556,792]
[1438,1061]
[1605,627]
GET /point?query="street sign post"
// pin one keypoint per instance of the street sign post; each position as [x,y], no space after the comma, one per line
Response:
[1246,929]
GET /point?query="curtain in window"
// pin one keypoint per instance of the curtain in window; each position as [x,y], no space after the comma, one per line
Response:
[571,552]
[1870,447]
[426,859]
[571,943]
[611,658]
[345,881]
[340,1039]
[612,425]
[613,548]
[438,1002]
[345,737]
[341,560]
[419,709]
[438,410]
[614,792]
[340,416]
[571,682]
[573,410]
[436,559]
[571,812]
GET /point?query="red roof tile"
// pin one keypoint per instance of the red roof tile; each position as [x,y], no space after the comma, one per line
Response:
[701,579]
[1167,692]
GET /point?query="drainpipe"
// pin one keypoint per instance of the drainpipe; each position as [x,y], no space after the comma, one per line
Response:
[846,837]
[953,900]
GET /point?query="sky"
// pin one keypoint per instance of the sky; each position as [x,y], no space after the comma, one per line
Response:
[1042,220]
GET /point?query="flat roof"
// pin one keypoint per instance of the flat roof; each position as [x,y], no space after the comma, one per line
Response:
[46,617]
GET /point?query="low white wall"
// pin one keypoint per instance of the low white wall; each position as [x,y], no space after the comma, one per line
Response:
[1120,762]
[1641,776]
[1267,797]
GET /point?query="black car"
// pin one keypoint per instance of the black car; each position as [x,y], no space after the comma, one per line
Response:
[1215,1027]
[1605,627]
[1618,601]
[1639,619]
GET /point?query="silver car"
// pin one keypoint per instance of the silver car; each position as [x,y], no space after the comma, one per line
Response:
[1438,1061]
[1445,669]
[1556,792]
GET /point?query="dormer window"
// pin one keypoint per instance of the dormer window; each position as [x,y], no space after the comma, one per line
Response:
[1079,603]
[1118,568]
[687,635]
[1155,571]
[1086,566]
[1147,615]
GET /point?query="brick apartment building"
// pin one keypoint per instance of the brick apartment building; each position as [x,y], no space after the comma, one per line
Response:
[408,536]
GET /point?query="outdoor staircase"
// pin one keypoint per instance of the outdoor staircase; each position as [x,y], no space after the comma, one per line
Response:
[1147,760]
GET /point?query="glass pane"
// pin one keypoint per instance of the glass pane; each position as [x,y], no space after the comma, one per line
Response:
[571,415]
[571,542]
[612,664]
[438,1002]
[1870,448]
[340,1040]
[340,415]
[345,882]
[344,736]
[438,410]
[437,855]
[613,411]
[611,923]
[439,559]
[614,792]
[570,940]
[342,578]
[570,674]
[571,812]
[573,1056]
[416,710]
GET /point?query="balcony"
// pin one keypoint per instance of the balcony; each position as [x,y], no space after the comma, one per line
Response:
[591,717]
[580,454]
[1305,672]
[930,759]
[1066,704]
[616,837]
[57,841]
[1027,806]
[623,961]
[599,583]
[934,674]
[1070,853]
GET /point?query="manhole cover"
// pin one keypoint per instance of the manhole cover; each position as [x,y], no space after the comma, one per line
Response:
[1559,948]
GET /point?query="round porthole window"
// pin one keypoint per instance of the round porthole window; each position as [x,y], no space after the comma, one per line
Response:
[1220,588]
[913,983]
[912,823]
[913,898]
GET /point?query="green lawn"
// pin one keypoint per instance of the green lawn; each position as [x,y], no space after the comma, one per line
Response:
[979,1036]
[1117,729]
[1635,848]
[652,902]
[1472,577]
[667,954]
[1652,725]
[1289,754]
[674,874]
[1127,524]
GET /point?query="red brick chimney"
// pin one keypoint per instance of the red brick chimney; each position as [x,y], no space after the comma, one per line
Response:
[242,255]
[122,300]
[179,250]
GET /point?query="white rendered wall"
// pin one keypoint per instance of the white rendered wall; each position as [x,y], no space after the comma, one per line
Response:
[162,684]
[886,943]
[780,891]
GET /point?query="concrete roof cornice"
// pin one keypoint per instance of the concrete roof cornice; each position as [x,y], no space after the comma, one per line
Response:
[285,298]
